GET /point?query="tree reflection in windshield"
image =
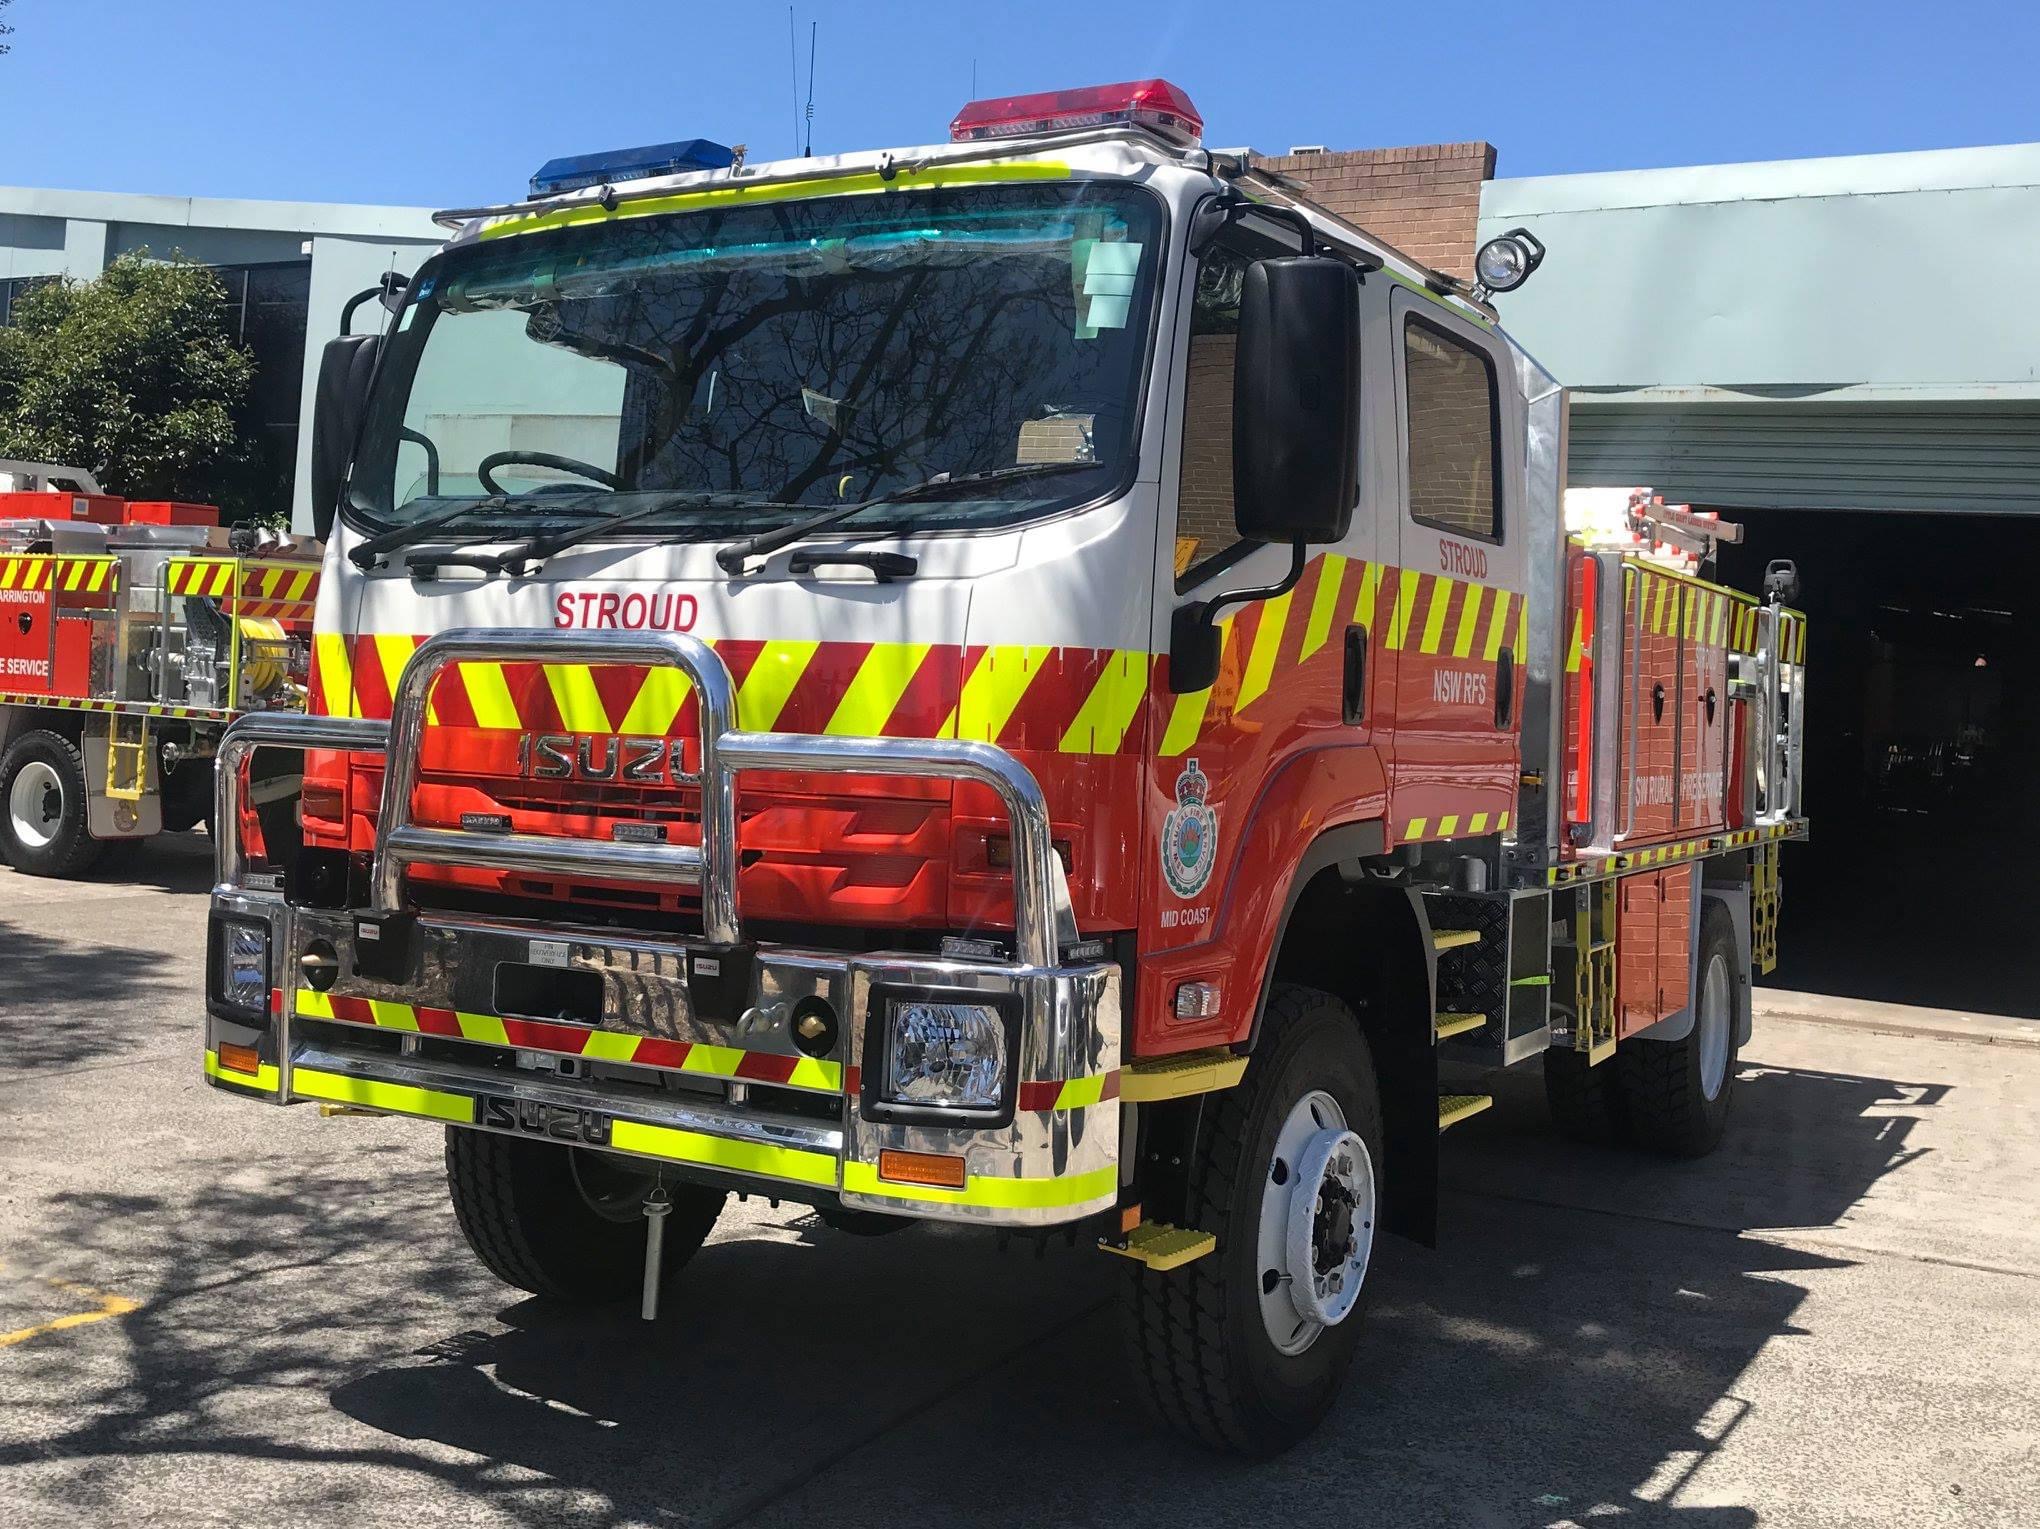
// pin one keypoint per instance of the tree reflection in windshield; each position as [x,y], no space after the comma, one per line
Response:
[797,353]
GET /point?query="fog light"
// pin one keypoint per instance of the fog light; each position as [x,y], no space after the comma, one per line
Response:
[240,966]
[1197,1000]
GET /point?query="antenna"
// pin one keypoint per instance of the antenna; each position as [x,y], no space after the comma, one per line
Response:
[793,70]
[813,28]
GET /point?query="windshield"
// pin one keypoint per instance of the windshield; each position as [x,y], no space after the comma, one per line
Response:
[774,360]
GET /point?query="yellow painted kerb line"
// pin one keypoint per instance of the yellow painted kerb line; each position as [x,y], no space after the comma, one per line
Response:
[108,1305]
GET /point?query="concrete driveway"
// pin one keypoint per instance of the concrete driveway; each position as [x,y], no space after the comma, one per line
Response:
[215,1313]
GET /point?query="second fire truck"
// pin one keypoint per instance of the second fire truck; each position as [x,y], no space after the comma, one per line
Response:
[1038,682]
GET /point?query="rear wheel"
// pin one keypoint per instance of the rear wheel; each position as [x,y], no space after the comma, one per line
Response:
[564,1222]
[1585,1101]
[42,807]
[1675,1095]
[1246,1349]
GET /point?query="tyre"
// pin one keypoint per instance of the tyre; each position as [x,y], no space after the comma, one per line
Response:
[42,807]
[1675,1095]
[564,1222]
[1585,1102]
[1245,1349]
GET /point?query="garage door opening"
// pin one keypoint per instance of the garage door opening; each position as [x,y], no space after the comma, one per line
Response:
[1923,756]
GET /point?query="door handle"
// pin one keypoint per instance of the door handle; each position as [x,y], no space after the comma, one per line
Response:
[1353,694]
[1505,687]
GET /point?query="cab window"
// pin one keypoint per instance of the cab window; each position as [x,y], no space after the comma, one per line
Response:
[1204,486]
[1455,450]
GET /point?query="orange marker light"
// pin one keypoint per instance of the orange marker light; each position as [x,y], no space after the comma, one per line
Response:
[240,1058]
[927,1168]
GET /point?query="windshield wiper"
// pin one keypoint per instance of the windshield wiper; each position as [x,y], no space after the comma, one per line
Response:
[735,560]
[370,552]
[536,549]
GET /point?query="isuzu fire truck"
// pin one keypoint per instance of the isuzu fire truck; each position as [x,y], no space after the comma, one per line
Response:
[1040,683]
[131,633]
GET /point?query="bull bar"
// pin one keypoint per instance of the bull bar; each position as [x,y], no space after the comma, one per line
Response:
[1043,920]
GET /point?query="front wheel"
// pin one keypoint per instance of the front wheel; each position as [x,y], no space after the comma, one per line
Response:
[42,807]
[1245,1350]
[565,1222]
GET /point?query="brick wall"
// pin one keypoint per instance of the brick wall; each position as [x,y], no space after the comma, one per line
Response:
[1425,200]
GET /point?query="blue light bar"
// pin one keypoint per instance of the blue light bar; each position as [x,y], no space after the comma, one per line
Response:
[574,171]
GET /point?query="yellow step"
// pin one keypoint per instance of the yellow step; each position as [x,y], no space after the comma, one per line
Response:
[1176,1077]
[1453,1108]
[1447,1025]
[1452,939]
[1161,1246]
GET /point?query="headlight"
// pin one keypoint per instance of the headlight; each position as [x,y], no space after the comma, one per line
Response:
[240,966]
[943,1054]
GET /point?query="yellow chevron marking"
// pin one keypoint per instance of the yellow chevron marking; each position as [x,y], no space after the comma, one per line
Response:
[74,573]
[312,1004]
[876,689]
[766,689]
[1186,717]
[1479,824]
[809,1072]
[1498,626]
[1417,827]
[486,1028]
[393,651]
[1469,622]
[995,689]
[716,1061]
[579,702]
[1407,586]
[392,1016]
[1101,722]
[8,570]
[336,675]
[489,697]
[1267,643]
[270,578]
[609,1046]
[1522,648]
[1657,613]
[1318,629]
[99,573]
[1572,653]
[1081,1093]
[1448,825]
[1692,615]
[1502,823]
[1370,584]
[223,580]
[1434,618]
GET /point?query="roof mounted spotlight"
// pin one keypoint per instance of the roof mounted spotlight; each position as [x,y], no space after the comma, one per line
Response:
[1505,262]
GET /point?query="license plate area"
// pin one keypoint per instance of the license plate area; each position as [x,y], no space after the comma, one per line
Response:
[552,1122]
[571,995]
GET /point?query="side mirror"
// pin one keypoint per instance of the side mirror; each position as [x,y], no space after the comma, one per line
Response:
[337,406]
[1296,401]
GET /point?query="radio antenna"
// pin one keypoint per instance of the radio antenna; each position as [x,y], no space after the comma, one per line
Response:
[813,28]
[793,70]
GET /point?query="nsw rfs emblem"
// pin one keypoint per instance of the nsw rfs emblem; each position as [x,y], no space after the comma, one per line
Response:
[1190,834]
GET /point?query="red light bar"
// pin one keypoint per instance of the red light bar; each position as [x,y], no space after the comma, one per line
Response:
[1156,105]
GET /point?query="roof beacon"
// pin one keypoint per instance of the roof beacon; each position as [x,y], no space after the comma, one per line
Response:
[1158,106]
[573,172]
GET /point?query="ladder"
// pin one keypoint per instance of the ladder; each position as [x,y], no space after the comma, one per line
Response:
[1765,893]
[127,757]
[1594,972]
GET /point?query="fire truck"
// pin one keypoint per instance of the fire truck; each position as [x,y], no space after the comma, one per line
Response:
[131,633]
[1040,682]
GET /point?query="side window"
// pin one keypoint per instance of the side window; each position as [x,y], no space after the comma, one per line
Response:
[1455,462]
[1204,489]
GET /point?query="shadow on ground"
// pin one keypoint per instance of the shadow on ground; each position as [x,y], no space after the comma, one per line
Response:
[1544,1365]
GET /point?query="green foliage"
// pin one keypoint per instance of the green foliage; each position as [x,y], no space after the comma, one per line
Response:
[134,375]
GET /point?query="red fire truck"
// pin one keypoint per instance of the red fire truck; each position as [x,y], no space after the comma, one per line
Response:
[1038,682]
[131,633]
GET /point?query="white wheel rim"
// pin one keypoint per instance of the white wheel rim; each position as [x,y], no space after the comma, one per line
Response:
[1715,1023]
[35,804]
[1317,1224]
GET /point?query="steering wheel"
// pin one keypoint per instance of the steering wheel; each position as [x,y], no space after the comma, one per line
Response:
[486,468]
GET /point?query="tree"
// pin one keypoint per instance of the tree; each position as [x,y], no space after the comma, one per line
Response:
[136,376]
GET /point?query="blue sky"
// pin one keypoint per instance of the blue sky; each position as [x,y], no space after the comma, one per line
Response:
[444,104]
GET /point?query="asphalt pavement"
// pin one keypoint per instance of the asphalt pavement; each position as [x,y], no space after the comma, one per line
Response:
[214,1313]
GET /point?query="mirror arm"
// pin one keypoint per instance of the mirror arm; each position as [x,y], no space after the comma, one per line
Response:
[1193,640]
[1205,611]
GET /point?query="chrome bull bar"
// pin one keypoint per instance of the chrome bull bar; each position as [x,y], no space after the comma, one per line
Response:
[1043,920]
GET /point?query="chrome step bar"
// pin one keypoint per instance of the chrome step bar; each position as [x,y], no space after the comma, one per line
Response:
[1043,921]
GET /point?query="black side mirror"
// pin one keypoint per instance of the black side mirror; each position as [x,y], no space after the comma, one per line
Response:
[1296,400]
[342,395]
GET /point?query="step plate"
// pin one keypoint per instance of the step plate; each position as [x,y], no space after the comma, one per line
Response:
[1448,1025]
[1453,1108]
[1452,939]
[1177,1077]
[1161,1246]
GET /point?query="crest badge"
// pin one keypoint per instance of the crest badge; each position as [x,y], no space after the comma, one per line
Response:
[1190,834]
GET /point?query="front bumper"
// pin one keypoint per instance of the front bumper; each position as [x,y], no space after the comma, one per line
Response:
[675,1050]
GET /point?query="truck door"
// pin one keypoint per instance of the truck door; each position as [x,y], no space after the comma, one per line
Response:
[1456,633]
[1297,670]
